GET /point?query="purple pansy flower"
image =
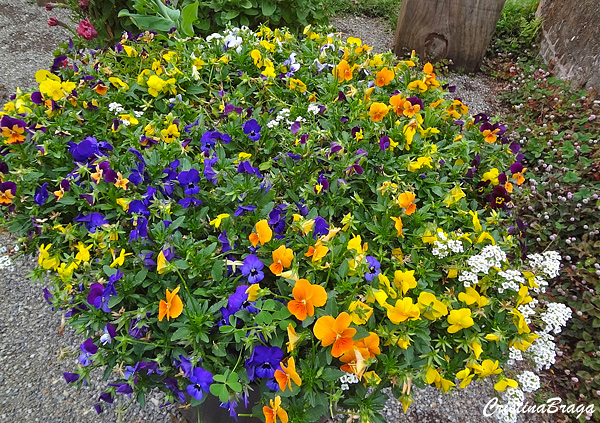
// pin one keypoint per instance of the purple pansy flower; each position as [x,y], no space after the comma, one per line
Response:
[263,362]
[109,333]
[373,268]
[85,150]
[122,387]
[246,167]
[239,301]
[88,349]
[41,194]
[252,269]
[92,221]
[70,377]
[200,383]
[209,172]
[252,129]
[171,383]
[188,180]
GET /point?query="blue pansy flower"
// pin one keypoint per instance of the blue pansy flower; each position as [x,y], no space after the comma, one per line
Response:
[263,362]
[188,180]
[252,129]
[373,268]
[200,383]
[41,194]
[252,269]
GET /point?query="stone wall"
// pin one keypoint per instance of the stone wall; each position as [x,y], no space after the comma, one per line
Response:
[570,42]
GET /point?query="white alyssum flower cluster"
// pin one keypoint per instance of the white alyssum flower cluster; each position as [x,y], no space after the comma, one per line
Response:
[512,279]
[541,283]
[5,262]
[116,107]
[508,411]
[548,262]
[444,246]
[514,354]
[542,351]
[529,381]
[468,278]
[556,317]
[490,256]
[528,310]
[347,379]
[282,115]
[313,108]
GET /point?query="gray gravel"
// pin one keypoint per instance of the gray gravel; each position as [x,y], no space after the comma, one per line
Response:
[34,351]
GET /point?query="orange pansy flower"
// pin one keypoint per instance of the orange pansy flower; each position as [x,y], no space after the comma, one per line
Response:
[343,71]
[317,252]
[518,176]
[282,258]
[271,413]
[285,376]
[397,103]
[369,346]
[335,331]
[6,197]
[100,88]
[306,297]
[14,135]
[172,307]
[354,363]
[378,111]
[410,109]
[384,77]
[262,233]
[406,201]
[490,136]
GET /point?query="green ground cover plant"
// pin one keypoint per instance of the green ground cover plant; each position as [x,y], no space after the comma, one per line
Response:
[105,20]
[517,29]
[559,129]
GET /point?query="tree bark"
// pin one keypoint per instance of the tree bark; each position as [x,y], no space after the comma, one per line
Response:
[459,30]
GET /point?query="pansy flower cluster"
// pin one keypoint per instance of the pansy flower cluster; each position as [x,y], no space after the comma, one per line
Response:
[258,211]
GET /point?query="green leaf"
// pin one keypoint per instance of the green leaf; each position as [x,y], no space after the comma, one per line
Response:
[437,190]
[229,15]
[141,275]
[268,8]
[217,270]
[148,22]
[181,333]
[109,271]
[219,378]
[114,300]
[233,382]
[189,15]
[571,177]
[167,12]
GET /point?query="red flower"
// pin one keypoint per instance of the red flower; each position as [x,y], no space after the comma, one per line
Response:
[86,30]
[53,22]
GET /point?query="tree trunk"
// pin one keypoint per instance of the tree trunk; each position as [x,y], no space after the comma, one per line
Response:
[459,30]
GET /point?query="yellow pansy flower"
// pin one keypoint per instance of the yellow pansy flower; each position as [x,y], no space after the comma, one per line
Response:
[216,222]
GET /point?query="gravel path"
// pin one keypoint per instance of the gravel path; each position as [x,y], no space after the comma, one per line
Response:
[34,351]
